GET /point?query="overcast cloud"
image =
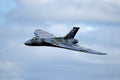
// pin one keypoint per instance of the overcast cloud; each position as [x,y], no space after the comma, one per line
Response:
[69,10]
[99,29]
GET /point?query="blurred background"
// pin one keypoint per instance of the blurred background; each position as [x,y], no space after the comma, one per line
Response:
[99,22]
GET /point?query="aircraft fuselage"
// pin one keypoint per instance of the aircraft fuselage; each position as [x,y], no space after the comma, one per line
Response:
[44,41]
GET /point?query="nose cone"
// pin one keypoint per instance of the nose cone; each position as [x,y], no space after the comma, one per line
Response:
[28,42]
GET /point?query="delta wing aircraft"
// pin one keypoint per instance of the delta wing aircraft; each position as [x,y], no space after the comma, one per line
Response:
[43,38]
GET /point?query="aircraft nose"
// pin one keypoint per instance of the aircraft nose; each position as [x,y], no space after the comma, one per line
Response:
[28,42]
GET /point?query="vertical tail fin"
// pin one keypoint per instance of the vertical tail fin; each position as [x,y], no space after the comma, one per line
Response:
[72,33]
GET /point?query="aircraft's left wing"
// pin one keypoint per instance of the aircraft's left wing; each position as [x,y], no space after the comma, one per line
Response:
[43,34]
[75,47]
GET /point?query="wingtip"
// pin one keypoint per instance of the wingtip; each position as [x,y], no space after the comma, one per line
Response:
[103,53]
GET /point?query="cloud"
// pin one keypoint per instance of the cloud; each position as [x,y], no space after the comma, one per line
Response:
[39,10]
[86,29]
[9,71]
[59,30]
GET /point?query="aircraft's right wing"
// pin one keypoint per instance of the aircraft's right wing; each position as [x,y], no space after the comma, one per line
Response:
[88,50]
[81,49]
[74,47]
[43,34]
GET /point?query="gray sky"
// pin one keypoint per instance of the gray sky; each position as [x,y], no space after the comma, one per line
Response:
[99,21]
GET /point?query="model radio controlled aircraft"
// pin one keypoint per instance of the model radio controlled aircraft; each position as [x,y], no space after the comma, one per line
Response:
[43,38]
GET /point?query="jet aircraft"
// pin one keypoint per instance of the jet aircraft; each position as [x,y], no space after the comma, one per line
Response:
[43,38]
